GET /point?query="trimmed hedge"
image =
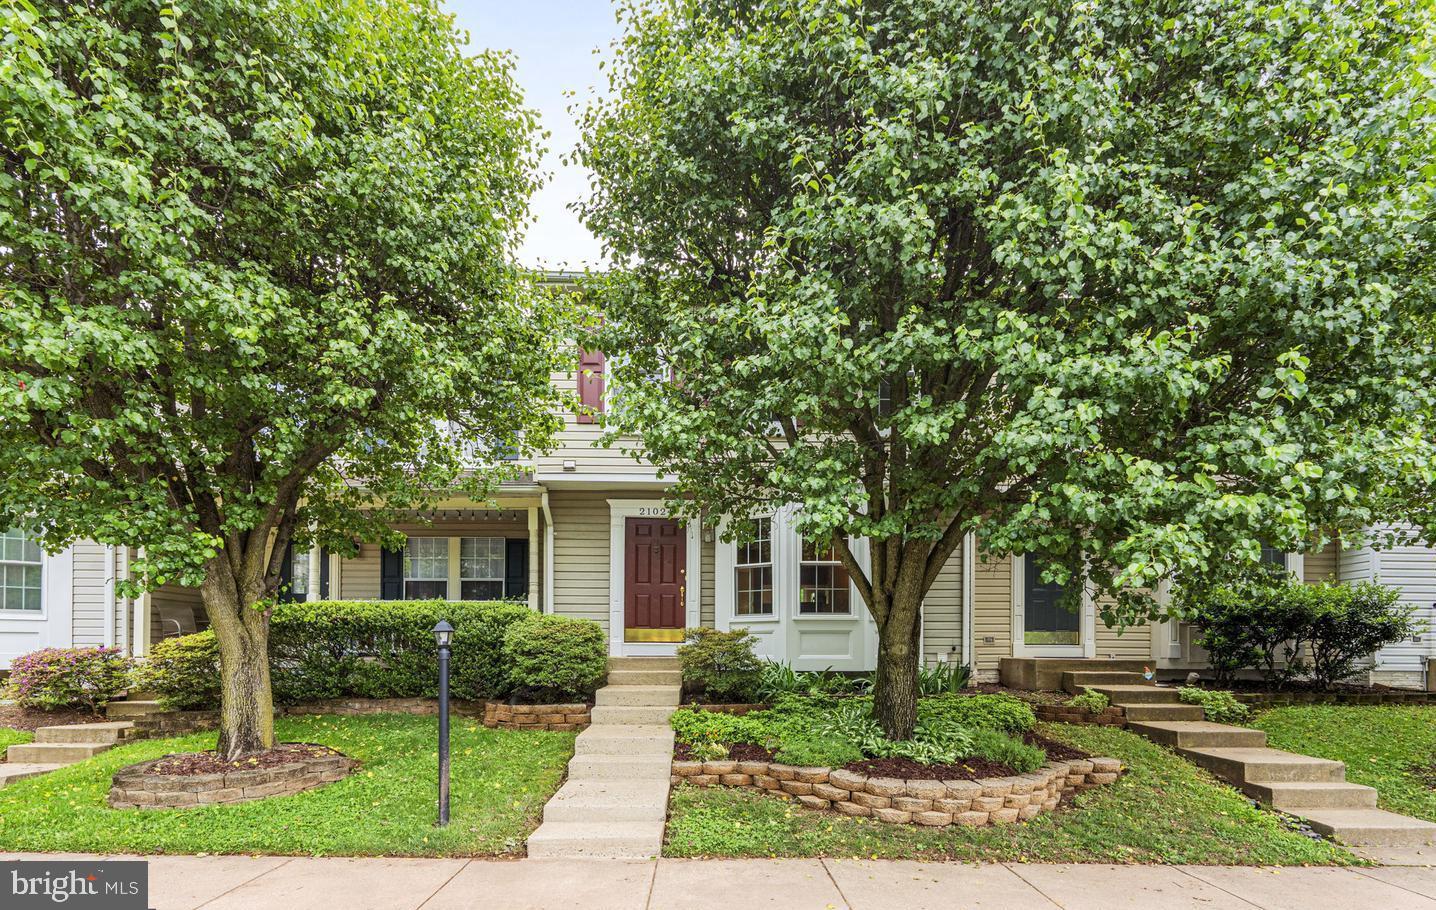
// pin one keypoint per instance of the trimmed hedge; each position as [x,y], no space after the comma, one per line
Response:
[555,658]
[353,649]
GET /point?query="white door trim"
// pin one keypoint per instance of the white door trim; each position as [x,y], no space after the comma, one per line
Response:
[619,511]
[1087,621]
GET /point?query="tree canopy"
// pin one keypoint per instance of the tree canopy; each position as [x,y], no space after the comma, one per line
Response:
[255,265]
[1131,285]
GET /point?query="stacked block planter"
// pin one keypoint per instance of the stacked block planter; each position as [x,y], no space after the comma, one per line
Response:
[1113,716]
[536,717]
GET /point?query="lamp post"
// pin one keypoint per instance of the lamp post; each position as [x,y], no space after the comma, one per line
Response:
[443,634]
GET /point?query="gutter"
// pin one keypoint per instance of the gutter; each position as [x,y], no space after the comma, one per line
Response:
[969,569]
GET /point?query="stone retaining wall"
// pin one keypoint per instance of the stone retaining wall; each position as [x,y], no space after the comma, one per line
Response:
[935,803]
[350,707]
[135,787]
[1386,697]
[557,718]
[1113,716]
[172,723]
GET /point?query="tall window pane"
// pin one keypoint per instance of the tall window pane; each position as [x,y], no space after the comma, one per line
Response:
[426,568]
[1046,620]
[481,568]
[753,573]
[822,580]
[20,572]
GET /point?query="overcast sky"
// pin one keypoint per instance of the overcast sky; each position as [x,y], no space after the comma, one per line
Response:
[554,42]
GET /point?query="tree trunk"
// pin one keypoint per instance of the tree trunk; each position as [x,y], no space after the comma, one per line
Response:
[895,683]
[246,716]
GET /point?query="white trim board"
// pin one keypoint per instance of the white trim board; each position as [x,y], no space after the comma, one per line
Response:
[619,510]
[1087,625]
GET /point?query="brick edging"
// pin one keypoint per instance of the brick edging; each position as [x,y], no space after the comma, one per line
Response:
[1281,699]
[134,787]
[1113,716]
[557,718]
[933,803]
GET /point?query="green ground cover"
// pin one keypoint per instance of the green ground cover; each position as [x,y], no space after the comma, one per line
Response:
[1388,747]
[501,779]
[1162,810]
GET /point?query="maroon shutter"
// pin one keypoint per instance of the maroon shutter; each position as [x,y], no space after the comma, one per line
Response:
[590,384]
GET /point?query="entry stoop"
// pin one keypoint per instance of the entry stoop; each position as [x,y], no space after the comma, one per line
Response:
[1046,672]
[615,801]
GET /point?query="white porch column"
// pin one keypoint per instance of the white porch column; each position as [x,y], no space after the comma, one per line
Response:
[533,559]
[142,620]
[311,591]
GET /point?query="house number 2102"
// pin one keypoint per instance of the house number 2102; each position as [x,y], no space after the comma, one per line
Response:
[655,511]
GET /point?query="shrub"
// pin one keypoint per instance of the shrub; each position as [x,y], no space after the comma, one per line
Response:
[558,658]
[721,665]
[818,751]
[385,649]
[1094,702]
[183,672]
[1220,707]
[1348,622]
[778,679]
[54,678]
[999,747]
[943,678]
[1258,620]
[694,728]
[993,712]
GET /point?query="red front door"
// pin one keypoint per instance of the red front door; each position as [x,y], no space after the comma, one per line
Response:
[654,583]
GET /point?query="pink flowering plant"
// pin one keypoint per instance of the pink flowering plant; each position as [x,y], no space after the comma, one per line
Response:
[53,678]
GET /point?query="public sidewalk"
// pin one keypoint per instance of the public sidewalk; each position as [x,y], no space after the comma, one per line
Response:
[283,883]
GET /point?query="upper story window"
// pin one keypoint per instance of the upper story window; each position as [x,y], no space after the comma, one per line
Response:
[822,581]
[20,571]
[426,568]
[481,568]
[753,572]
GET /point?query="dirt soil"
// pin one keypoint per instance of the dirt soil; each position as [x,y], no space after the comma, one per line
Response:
[189,763]
[18,718]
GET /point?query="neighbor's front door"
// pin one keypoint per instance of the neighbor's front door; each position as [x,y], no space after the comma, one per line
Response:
[654,583]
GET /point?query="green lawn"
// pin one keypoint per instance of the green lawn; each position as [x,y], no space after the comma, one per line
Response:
[1163,810]
[1380,745]
[10,736]
[500,781]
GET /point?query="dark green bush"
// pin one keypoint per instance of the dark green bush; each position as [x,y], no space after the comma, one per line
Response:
[182,671]
[555,658]
[995,746]
[721,665]
[1348,622]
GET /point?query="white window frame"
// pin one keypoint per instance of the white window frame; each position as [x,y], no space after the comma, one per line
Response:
[488,557]
[739,565]
[799,612]
[438,542]
[22,612]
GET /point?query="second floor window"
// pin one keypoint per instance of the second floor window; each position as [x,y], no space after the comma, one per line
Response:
[426,568]
[753,572]
[20,572]
[822,581]
[481,568]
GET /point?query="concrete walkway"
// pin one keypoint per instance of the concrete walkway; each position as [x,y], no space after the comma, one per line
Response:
[283,883]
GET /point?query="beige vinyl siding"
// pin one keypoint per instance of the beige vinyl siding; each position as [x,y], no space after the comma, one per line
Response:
[991,613]
[942,613]
[1132,643]
[87,619]
[576,442]
[359,577]
[581,554]
[708,560]
[172,595]
[1322,565]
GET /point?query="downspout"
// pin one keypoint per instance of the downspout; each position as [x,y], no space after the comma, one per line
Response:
[969,568]
[111,569]
[547,553]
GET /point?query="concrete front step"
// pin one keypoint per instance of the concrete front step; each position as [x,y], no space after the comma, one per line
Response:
[11,771]
[1139,695]
[642,663]
[1046,672]
[1298,796]
[637,696]
[645,678]
[107,732]
[631,714]
[620,767]
[1195,734]
[634,739]
[128,708]
[1241,766]
[1163,712]
[1370,827]
[54,753]
[608,840]
[602,800]
[1075,681]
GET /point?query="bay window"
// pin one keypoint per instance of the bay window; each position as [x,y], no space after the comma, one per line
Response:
[753,572]
[822,581]
[20,572]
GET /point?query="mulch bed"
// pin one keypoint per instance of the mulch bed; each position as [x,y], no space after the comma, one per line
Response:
[18,718]
[190,763]
[905,768]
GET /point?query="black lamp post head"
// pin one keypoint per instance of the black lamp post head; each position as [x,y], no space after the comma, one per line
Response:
[443,633]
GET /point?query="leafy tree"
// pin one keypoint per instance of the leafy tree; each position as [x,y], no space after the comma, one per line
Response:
[255,288]
[1128,285]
